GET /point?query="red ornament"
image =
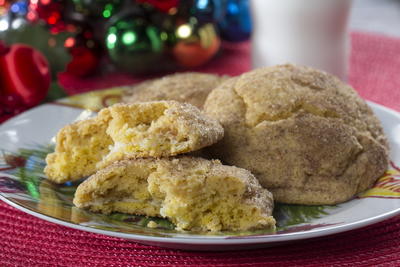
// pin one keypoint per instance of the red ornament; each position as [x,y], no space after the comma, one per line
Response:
[163,5]
[24,77]
[84,61]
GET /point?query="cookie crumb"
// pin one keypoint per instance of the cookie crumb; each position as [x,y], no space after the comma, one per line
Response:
[152,224]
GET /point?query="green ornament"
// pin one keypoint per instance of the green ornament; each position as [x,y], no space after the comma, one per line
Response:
[135,45]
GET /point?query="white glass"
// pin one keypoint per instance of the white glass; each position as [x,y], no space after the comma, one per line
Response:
[306,32]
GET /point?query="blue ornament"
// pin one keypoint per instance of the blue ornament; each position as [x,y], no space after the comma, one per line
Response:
[236,24]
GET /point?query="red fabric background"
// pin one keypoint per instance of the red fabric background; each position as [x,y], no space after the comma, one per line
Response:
[28,241]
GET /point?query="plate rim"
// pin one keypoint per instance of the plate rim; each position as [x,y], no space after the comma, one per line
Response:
[214,240]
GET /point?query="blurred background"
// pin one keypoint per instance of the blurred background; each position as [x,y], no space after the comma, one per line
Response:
[53,48]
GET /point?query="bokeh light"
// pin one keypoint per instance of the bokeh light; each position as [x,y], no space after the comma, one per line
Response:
[184,31]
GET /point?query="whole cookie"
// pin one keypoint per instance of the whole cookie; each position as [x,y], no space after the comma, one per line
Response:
[308,137]
[189,87]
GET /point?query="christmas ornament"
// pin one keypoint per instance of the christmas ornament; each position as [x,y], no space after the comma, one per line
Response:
[235,26]
[39,37]
[196,43]
[136,45]
[139,36]
[24,75]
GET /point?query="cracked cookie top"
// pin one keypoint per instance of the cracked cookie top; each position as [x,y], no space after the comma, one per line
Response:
[307,136]
[277,93]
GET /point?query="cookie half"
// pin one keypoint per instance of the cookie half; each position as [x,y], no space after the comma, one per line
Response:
[194,193]
[158,129]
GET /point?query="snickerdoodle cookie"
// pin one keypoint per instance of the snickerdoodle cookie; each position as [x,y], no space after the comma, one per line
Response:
[194,193]
[149,129]
[308,137]
[157,129]
[188,87]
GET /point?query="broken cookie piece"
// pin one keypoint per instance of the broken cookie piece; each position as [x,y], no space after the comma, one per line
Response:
[157,129]
[151,129]
[194,193]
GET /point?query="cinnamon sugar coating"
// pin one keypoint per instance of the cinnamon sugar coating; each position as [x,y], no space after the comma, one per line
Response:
[308,137]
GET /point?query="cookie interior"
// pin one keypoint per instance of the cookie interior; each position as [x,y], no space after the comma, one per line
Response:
[80,146]
[146,130]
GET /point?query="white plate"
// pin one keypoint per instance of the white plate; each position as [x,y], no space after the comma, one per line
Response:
[25,141]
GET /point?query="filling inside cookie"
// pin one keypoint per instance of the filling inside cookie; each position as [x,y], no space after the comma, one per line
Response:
[193,199]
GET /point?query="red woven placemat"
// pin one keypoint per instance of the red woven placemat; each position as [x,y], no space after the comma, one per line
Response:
[28,241]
